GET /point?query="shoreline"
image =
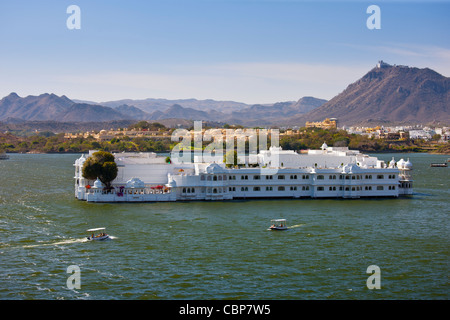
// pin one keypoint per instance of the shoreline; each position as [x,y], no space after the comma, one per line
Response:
[165,152]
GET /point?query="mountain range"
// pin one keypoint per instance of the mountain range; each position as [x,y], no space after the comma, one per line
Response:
[50,107]
[385,95]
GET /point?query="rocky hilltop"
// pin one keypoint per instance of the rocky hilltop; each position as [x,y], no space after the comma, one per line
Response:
[389,94]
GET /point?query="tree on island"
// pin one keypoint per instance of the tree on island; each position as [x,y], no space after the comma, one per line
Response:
[100,165]
[145,125]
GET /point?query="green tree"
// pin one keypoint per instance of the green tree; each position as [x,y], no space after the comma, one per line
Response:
[436,137]
[100,165]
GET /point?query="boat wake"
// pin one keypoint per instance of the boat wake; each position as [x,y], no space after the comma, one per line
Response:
[57,243]
[68,241]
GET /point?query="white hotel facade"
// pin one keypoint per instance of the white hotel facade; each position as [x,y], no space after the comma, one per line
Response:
[327,173]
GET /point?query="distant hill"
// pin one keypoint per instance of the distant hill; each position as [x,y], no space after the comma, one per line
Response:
[268,114]
[50,107]
[307,104]
[132,112]
[151,105]
[43,107]
[83,112]
[385,95]
[212,110]
[178,112]
[389,95]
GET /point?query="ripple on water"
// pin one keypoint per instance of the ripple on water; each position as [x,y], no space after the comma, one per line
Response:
[206,250]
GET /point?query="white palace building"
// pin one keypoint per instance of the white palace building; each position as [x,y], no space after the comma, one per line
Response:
[331,172]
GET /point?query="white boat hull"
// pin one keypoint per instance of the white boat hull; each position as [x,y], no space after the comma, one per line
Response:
[98,238]
[278,228]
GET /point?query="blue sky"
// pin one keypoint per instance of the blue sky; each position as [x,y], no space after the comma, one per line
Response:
[253,51]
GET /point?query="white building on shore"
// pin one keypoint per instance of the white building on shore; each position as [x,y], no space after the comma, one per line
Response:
[327,173]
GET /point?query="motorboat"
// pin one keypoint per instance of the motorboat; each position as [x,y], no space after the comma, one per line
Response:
[444,164]
[97,234]
[278,224]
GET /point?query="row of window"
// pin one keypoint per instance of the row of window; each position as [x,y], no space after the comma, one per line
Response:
[294,188]
[269,188]
[355,188]
[296,177]
[215,178]
[305,188]
[354,177]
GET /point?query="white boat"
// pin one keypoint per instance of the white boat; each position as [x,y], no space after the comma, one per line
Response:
[278,224]
[443,164]
[101,234]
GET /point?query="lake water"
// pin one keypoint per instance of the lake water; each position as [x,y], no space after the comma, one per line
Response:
[219,250]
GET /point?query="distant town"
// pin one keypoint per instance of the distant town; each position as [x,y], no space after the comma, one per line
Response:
[145,136]
[400,133]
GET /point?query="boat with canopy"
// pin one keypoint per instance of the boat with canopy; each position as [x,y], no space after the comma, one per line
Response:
[278,224]
[97,234]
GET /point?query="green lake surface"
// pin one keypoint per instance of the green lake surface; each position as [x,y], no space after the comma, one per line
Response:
[220,250]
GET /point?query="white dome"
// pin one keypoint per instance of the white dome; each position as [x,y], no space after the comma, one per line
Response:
[408,164]
[401,163]
[214,168]
[98,184]
[135,183]
[324,146]
[350,168]
[172,184]
[392,163]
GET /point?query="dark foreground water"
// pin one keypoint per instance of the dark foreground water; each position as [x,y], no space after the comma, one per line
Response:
[219,250]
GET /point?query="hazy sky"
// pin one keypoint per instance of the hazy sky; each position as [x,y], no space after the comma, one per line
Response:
[253,51]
